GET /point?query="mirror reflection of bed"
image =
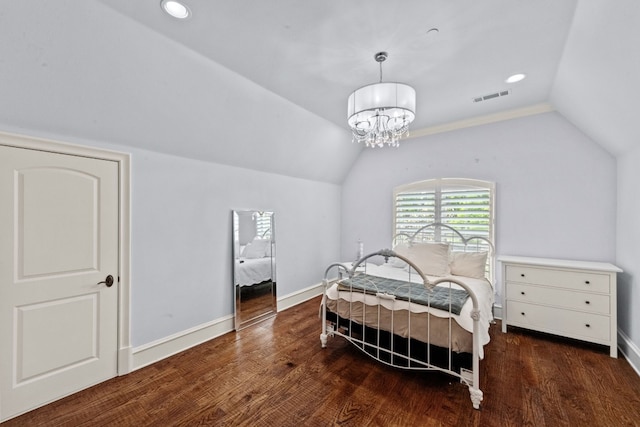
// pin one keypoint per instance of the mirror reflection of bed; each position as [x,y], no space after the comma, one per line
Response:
[254,266]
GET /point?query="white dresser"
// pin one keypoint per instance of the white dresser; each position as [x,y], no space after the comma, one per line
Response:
[575,299]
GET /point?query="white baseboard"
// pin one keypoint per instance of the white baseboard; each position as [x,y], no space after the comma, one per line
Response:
[630,351]
[160,349]
[300,296]
[497,311]
[125,360]
[155,351]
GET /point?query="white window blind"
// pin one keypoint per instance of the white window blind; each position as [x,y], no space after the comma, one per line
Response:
[464,204]
[263,226]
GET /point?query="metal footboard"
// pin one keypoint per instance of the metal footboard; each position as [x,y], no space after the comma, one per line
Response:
[410,338]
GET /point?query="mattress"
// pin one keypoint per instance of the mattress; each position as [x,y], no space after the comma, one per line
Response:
[405,319]
[251,271]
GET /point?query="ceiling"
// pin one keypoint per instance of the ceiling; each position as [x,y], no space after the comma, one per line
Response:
[315,54]
[222,85]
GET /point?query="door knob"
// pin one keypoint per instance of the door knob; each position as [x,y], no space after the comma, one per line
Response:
[108,281]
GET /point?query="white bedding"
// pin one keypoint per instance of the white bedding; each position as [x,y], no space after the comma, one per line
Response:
[250,271]
[481,287]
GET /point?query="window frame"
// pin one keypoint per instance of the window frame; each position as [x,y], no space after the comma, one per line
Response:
[436,186]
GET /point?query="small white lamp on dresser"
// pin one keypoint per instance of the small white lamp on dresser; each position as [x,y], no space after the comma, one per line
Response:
[575,299]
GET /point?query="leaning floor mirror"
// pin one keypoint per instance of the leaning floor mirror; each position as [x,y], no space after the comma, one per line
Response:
[254,267]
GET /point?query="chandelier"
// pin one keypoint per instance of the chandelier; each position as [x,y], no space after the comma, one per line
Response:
[380,113]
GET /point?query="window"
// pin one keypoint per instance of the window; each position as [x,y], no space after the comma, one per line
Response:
[263,225]
[464,204]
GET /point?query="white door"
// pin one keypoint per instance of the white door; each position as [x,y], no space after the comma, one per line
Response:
[58,240]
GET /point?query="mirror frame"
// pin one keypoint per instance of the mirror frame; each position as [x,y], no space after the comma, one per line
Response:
[265,292]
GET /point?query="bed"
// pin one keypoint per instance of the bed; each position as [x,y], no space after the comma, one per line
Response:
[425,305]
[252,271]
[254,265]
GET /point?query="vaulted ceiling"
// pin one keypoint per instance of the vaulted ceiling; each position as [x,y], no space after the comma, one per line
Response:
[123,71]
[315,53]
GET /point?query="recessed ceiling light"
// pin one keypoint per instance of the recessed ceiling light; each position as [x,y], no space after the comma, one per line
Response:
[175,9]
[516,78]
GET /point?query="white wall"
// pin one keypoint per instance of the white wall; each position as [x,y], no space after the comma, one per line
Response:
[182,237]
[596,86]
[555,188]
[597,89]
[628,249]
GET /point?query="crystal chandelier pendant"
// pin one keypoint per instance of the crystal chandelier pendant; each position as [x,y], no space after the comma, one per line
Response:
[379,114]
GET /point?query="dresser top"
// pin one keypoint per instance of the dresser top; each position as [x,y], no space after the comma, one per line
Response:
[562,263]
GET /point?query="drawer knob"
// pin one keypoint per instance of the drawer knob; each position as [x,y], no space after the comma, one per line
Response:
[587,302]
[586,282]
[522,313]
[522,293]
[587,325]
[521,274]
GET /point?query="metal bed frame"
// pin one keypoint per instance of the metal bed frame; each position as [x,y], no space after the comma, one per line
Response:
[405,352]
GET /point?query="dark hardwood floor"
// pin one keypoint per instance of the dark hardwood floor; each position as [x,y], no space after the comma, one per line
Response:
[276,374]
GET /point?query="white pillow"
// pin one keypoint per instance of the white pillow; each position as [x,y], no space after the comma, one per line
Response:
[401,249]
[469,264]
[256,249]
[431,258]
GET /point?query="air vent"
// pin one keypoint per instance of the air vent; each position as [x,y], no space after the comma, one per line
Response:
[491,96]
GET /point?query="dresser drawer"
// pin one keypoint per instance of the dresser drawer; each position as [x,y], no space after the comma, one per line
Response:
[557,297]
[578,280]
[573,324]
